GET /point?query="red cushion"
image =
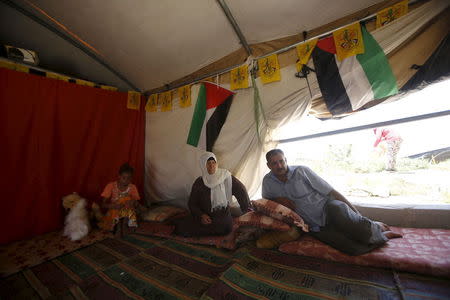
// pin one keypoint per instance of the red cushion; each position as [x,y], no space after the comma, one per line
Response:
[425,251]
[259,220]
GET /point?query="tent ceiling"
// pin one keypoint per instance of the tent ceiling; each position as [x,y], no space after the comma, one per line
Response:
[152,43]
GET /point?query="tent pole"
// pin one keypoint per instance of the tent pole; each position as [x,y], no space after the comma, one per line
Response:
[235,26]
[368,126]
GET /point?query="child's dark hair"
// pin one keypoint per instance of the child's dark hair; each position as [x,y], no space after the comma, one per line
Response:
[126,168]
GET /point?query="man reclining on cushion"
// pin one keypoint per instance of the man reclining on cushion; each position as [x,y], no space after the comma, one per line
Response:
[332,219]
[210,200]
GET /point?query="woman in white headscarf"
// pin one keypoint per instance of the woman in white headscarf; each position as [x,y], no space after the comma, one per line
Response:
[210,200]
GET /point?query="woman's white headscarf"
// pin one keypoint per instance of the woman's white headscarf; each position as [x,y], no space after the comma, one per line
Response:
[220,183]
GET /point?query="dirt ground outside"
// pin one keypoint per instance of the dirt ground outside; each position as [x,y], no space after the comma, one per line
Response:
[415,182]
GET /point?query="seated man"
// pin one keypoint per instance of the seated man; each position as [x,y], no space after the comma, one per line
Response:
[331,217]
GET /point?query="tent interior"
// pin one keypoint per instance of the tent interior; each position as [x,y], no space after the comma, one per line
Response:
[98,84]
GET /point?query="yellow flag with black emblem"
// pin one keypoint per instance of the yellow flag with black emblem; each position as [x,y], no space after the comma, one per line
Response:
[392,13]
[269,69]
[134,100]
[239,78]
[166,101]
[348,41]
[152,103]
[184,96]
[57,76]
[84,82]
[304,51]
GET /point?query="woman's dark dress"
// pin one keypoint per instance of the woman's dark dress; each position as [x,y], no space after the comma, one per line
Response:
[200,203]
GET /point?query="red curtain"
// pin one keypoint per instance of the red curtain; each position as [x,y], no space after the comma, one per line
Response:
[58,138]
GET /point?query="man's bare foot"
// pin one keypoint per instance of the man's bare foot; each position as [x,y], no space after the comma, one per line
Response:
[392,235]
[383,226]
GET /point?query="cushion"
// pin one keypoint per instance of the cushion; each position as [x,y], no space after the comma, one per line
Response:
[274,239]
[162,213]
[247,234]
[286,202]
[152,228]
[257,219]
[280,212]
[421,250]
[164,230]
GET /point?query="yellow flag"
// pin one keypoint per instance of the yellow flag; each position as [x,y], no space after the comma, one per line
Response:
[87,83]
[269,69]
[13,66]
[184,96]
[152,103]
[304,51]
[239,78]
[109,88]
[166,101]
[348,41]
[392,13]
[57,76]
[134,100]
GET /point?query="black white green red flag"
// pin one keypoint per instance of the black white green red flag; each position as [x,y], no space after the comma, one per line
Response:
[210,113]
[349,84]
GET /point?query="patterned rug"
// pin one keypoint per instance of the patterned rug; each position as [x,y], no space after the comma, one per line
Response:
[23,254]
[264,274]
[142,267]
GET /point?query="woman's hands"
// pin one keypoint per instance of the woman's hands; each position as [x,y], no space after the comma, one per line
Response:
[205,219]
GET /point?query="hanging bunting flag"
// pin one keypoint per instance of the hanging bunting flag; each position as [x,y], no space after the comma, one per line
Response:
[109,88]
[304,53]
[269,69]
[239,78]
[184,96]
[348,41]
[349,84]
[57,76]
[392,13]
[210,113]
[166,101]
[152,103]
[134,100]
[84,82]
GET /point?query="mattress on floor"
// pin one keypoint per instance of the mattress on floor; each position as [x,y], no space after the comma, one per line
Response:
[421,250]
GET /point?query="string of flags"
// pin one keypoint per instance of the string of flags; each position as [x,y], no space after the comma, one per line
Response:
[347,42]
[28,69]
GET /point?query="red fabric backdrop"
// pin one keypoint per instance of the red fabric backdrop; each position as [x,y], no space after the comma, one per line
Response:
[57,138]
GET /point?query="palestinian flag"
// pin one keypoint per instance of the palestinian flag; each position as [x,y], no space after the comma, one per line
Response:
[349,84]
[210,113]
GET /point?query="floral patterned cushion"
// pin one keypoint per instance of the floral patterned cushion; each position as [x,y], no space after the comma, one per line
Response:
[163,213]
[257,219]
[280,212]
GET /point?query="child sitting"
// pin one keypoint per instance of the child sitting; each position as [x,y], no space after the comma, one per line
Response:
[120,198]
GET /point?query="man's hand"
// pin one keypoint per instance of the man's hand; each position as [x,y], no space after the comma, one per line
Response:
[205,219]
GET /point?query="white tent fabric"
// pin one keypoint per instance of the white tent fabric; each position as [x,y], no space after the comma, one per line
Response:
[171,165]
[396,33]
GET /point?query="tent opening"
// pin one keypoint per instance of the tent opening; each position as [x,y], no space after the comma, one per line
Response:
[350,162]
